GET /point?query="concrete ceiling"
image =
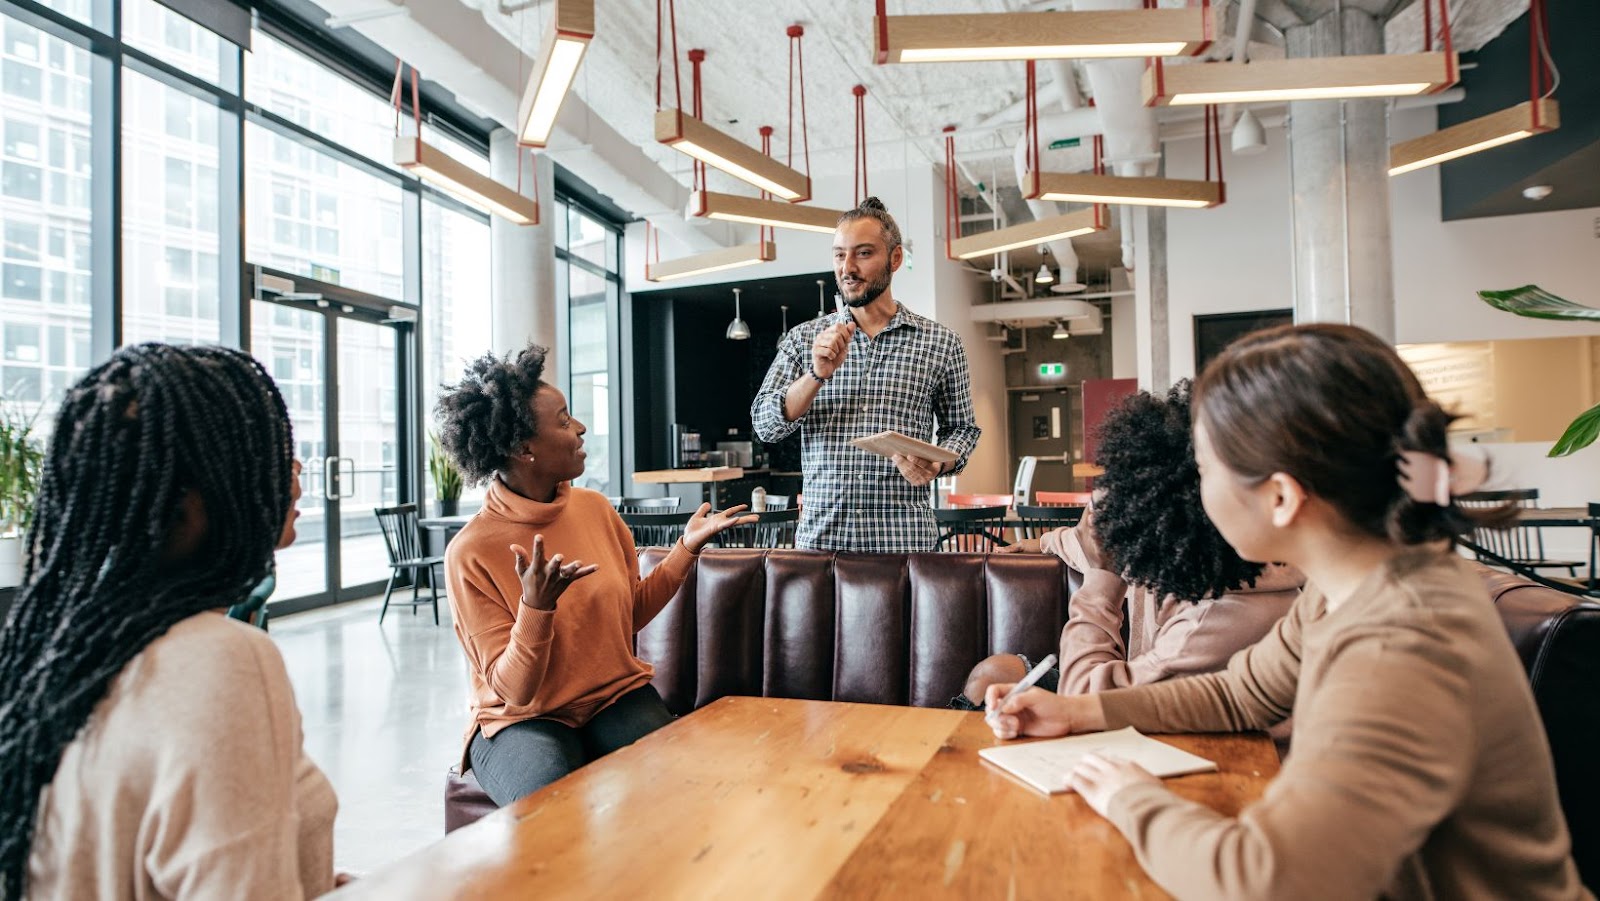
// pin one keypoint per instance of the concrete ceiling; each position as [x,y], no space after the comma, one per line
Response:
[746,70]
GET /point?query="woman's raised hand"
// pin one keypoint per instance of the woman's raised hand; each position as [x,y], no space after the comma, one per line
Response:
[704,525]
[543,580]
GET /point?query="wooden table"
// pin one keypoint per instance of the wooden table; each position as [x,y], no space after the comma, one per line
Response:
[773,798]
[709,477]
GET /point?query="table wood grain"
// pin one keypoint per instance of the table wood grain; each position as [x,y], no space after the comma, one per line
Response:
[777,798]
[688,476]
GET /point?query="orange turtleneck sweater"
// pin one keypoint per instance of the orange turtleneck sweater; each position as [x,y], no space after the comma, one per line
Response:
[569,663]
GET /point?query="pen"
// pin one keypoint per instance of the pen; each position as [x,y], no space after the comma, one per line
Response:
[1034,675]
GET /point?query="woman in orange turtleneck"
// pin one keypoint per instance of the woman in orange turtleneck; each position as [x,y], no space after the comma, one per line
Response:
[544,585]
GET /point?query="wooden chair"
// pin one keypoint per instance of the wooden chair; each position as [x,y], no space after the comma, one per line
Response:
[778,501]
[978,500]
[1038,520]
[1061,498]
[655,529]
[971,529]
[1522,545]
[644,504]
[774,529]
[402,538]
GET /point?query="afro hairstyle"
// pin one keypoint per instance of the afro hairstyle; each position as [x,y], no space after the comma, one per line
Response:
[488,415]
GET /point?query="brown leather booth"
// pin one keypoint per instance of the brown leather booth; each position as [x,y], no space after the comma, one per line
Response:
[908,628]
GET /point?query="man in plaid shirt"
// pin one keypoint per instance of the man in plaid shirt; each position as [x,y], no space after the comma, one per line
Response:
[874,367]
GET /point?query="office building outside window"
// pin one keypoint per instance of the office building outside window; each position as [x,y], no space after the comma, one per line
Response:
[44,207]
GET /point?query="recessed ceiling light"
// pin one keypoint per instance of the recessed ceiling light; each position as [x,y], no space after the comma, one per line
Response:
[1537,192]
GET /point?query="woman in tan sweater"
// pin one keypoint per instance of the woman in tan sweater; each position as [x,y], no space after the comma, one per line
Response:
[1420,768]
[544,586]
[151,746]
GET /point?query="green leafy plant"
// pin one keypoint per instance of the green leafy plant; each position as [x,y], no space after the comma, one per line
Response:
[1534,302]
[21,465]
[446,477]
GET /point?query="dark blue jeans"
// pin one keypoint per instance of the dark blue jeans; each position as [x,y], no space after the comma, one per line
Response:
[525,757]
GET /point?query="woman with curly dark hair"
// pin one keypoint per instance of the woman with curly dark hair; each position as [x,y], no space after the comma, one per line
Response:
[548,637]
[1420,768]
[1146,546]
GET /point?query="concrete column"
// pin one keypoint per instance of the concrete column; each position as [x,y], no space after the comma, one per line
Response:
[1150,296]
[1339,175]
[522,284]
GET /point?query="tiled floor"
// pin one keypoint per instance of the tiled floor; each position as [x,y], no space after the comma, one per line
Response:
[384,711]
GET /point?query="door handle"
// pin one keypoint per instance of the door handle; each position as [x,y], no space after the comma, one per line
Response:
[347,483]
[330,477]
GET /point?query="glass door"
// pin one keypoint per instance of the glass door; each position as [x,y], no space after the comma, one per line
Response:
[342,369]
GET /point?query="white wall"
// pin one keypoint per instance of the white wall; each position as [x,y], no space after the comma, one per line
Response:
[1239,257]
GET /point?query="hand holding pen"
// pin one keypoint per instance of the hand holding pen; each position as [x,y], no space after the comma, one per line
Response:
[832,343]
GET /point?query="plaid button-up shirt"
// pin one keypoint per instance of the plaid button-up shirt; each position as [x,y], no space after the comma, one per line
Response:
[913,373]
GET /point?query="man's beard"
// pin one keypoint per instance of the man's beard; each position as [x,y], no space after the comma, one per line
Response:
[872,292]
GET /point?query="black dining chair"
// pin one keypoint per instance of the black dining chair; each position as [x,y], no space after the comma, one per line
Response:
[774,529]
[971,529]
[644,504]
[1522,546]
[655,529]
[402,538]
[1036,520]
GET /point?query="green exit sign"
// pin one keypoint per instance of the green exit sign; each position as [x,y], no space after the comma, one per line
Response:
[1064,143]
[1052,369]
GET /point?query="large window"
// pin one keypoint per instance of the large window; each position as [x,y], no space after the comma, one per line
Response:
[171,223]
[44,206]
[586,264]
[455,301]
[314,215]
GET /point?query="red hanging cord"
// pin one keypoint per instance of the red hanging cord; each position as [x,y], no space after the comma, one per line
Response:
[677,78]
[860,179]
[797,58]
[1031,125]
[394,95]
[766,232]
[416,103]
[1540,79]
[952,221]
[696,57]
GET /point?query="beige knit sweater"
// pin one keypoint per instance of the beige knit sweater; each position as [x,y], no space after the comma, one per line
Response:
[189,781]
[1420,767]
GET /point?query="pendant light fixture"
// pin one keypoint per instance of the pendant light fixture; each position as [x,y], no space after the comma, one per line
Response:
[1101,187]
[1045,276]
[763,210]
[444,172]
[689,134]
[701,263]
[571,29]
[1249,138]
[1041,231]
[1310,78]
[737,329]
[1538,115]
[1090,34]
[1061,333]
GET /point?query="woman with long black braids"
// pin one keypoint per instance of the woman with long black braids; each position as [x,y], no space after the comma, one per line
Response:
[151,746]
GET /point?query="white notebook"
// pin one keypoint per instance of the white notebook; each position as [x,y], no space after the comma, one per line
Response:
[887,444]
[1044,765]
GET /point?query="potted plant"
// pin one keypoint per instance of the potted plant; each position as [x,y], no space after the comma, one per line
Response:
[1534,302]
[21,465]
[446,477]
